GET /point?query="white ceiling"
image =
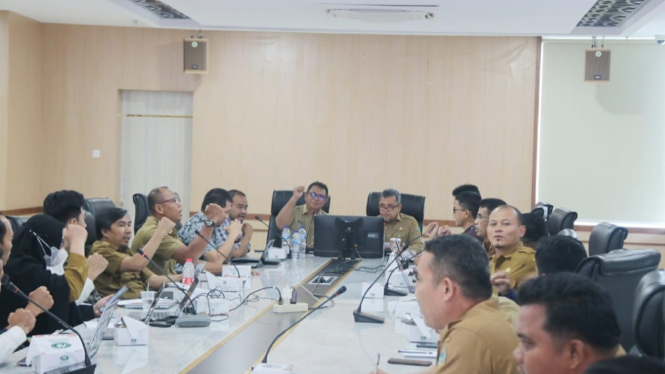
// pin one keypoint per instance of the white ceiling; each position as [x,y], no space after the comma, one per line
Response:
[452,17]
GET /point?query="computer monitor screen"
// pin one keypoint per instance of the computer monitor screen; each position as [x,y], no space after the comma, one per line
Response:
[348,236]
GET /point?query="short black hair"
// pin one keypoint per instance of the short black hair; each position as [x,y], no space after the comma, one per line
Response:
[64,205]
[536,228]
[217,196]
[575,308]
[466,188]
[464,260]
[319,185]
[154,197]
[469,200]
[517,213]
[106,218]
[491,203]
[627,365]
[235,193]
[559,253]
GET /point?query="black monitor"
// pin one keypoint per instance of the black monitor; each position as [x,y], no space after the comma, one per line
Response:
[348,236]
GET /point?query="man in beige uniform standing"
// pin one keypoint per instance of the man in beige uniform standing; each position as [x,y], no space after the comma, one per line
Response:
[455,296]
[294,217]
[398,224]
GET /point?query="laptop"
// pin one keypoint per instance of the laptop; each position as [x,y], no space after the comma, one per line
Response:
[139,315]
[98,334]
[258,262]
[154,315]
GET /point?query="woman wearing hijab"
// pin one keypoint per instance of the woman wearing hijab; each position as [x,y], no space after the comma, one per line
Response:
[36,246]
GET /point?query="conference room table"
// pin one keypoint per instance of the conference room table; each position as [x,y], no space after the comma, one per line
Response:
[328,341]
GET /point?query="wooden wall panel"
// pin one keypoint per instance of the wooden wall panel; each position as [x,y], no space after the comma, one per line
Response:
[360,112]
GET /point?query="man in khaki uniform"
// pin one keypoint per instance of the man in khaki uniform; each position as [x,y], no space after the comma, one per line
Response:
[294,217]
[505,232]
[114,229]
[163,202]
[482,221]
[455,296]
[397,224]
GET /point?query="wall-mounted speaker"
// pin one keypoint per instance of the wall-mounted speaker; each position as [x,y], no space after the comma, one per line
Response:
[597,65]
[196,56]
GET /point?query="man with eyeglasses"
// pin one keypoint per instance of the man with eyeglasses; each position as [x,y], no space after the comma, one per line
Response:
[163,202]
[465,210]
[294,217]
[482,218]
[398,224]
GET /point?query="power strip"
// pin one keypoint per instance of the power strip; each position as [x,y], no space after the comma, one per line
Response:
[290,308]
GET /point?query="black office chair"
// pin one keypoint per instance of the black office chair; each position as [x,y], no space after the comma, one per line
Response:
[413,205]
[606,237]
[279,199]
[17,222]
[649,316]
[560,219]
[141,210]
[543,209]
[619,272]
[95,205]
[92,232]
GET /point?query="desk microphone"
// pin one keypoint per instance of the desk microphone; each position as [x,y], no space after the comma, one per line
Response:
[89,368]
[339,291]
[391,292]
[140,251]
[218,251]
[360,316]
[277,236]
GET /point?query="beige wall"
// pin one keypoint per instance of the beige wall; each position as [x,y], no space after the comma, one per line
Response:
[21,71]
[359,112]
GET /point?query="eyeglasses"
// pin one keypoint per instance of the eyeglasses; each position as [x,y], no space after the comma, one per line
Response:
[174,200]
[387,207]
[455,210]
[317,196]
[480,217]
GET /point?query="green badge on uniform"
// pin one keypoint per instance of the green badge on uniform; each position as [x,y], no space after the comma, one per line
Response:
[442,357]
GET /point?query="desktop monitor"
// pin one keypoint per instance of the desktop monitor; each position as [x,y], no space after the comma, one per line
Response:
[348,236]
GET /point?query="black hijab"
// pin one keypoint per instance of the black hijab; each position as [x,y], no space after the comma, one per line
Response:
[26,268]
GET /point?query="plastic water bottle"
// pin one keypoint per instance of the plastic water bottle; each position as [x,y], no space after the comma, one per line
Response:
[303,241]
[188,272]
[295,245]
[286,237]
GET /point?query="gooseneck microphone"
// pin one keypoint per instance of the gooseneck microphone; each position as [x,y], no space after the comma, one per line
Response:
[339,291]
[11,287]
[142,253]
[218,251]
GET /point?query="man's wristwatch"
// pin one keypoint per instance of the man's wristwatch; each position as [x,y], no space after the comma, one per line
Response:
[209,223]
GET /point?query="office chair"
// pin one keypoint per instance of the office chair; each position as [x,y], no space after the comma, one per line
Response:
[543,209]
[606,237]
[279,199]
[649,315]
[413,205]
[141,210]
[560,219]
[619,272]
[95,205]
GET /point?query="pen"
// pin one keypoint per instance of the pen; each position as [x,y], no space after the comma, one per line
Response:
[378,359]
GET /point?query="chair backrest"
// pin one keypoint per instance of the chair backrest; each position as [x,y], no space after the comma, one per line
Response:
[17,222]
[95,205]
[543,209]
[141,210]
[619,272]
[279,199]
[649,315]
[560,219]
[413,205]
[606,237]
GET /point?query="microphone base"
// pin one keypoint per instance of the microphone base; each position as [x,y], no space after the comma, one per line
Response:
[366,317]
[79,368]
[390,292]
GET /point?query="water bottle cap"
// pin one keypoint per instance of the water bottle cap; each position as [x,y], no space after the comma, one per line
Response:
[189,260]
[302,226]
